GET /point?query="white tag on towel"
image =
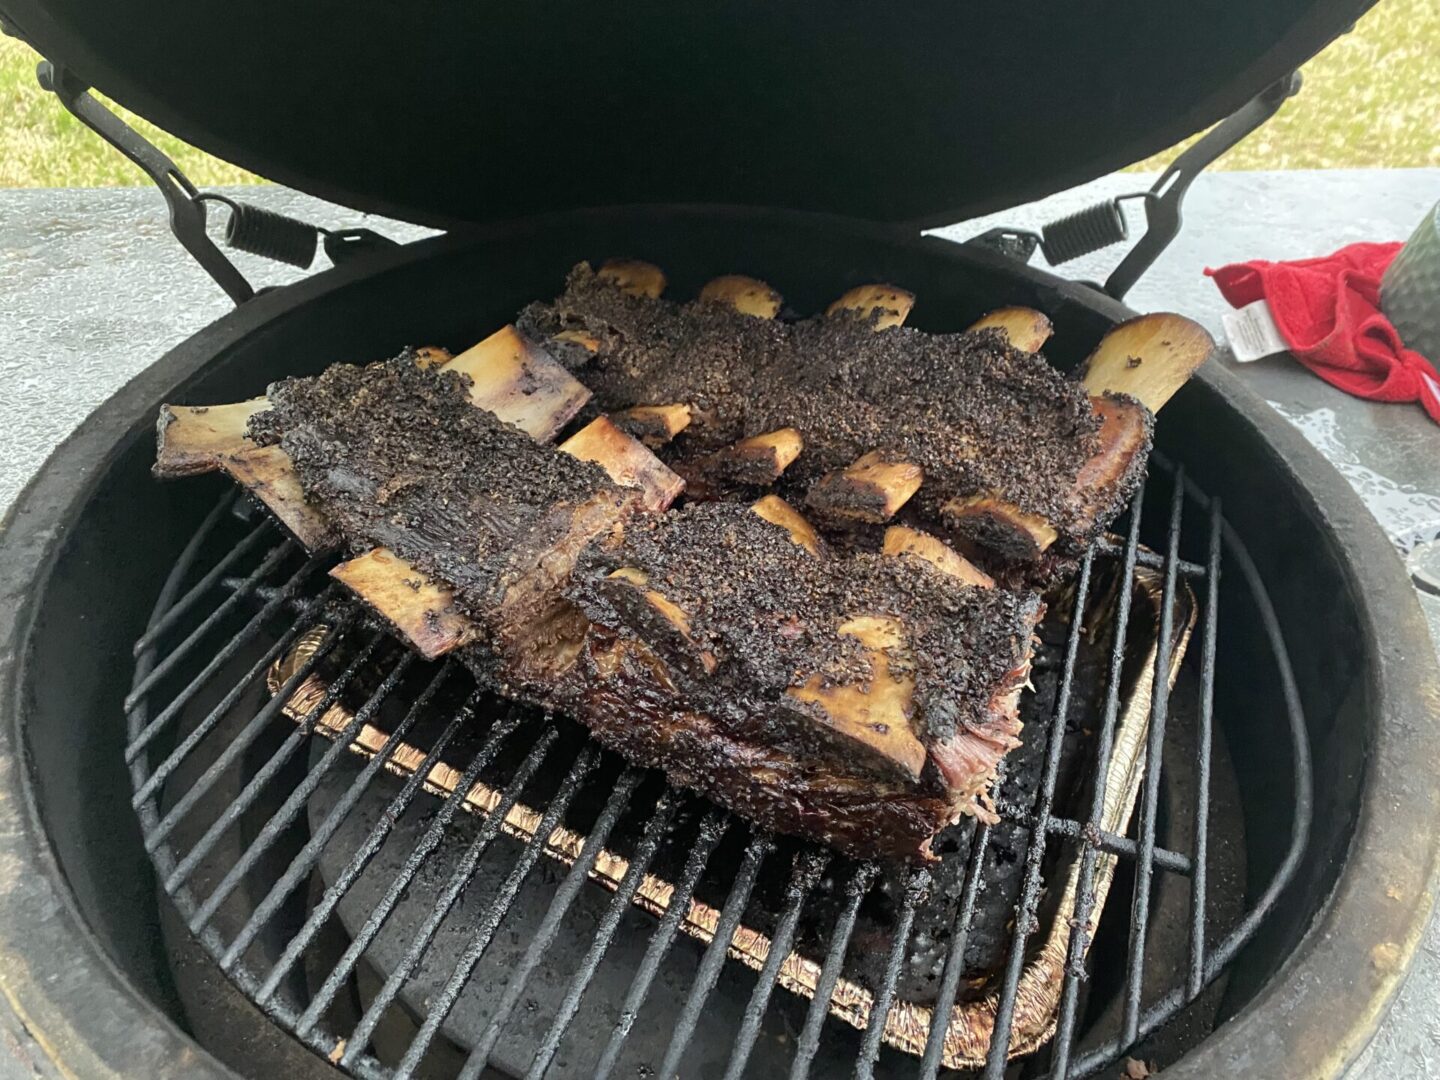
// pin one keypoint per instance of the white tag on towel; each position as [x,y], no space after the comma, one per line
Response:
[1252,332]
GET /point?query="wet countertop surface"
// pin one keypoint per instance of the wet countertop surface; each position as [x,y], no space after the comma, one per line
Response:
[93,289]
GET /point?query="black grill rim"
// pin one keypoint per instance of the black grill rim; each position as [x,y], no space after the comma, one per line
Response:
[352,1048]
[89,1015]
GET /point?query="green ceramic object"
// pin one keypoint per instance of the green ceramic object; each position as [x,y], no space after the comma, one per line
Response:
[1410,289]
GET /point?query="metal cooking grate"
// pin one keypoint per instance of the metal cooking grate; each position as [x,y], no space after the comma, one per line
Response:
[219,773]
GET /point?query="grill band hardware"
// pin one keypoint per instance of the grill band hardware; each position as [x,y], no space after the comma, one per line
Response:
[265,233]
[276,236]
[250,229]
[1099,226]
[187,216]
[1084,231]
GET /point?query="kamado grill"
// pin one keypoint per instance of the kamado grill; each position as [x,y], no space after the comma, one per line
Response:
[247,833]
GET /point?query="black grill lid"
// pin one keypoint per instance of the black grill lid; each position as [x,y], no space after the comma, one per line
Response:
[458,111]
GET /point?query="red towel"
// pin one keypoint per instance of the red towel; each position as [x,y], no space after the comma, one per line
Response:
[1328,311]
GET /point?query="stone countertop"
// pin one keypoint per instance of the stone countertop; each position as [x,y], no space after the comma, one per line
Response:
[1389,453]
[93,289]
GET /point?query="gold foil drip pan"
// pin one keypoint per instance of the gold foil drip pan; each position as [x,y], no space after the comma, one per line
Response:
[907,1025]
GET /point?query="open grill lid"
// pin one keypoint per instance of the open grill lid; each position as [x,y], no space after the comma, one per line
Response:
[456,113]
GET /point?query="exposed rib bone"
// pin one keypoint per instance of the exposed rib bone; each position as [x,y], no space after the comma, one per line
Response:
[513,378]
[778,512]
[746,295]
[657,616]
[267,473]
[875,714]
[1149,358]
[654,425]
[890,306]
[758,460]
[528,618]
[627,462]
[516,380]
[588,342]
[634,277]
[1000,526]
[1122,436]
[871,489]
[510,377]
[1026,328]
[423,612]
[190,439]
[900,540]
[428,356]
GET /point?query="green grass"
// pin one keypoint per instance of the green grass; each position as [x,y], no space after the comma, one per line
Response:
[1372,100]
[42,145]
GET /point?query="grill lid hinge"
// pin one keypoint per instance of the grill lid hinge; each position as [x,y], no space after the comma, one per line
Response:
[1103,224]
[250,228]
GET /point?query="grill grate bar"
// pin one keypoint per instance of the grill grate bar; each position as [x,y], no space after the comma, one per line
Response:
[1085,898]
[485,929]
[1025,921]
[1154,763]
[297,600]
[712,828]
[1153,560]
[273,558]
[237,746]
[955,960]
[917,882]
[809,865]
[161,773]
[256,783]
[265,593]
[136,719]
[306,859]
[1203,736]
[464,871]
[358,861]
[739,895]
[295,801]
[809,1041]
[559,905]
[1166,1007]
[247,633]
[323,1042]
[1304,794]
[1176,862]
[496,737]
[181,606]
[655,828]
